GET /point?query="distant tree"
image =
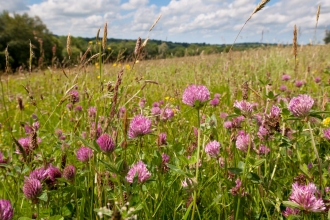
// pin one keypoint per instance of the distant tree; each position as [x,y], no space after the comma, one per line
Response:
[17,31]
[327,37]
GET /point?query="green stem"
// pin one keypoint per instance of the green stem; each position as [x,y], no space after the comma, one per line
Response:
[317,157]
[197,163]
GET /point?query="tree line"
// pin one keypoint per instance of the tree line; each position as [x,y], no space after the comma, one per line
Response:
[23,37]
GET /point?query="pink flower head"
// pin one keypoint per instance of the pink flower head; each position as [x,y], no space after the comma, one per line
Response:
[2,160]
[186,182]
[217,95]
[39,174]
[286,77]
[283,88]
[299,83]
[165,158]
[69,172]
[106,143]
[161,139]
[304,196]
[139,126]
[326,133]
[317,79]
[92,112]
[74,96]
[195,93]
[84,154]
[142,102]
[274,112]
[223,115]
[167,114]
[238,189]
[212,148]
[214,102]
[139,169]
[32,188]
[243,141]
[6,210]
[263,150]
[245,107]
[263,133]
[52,173]
[155,110]
[289,211]
[301,105]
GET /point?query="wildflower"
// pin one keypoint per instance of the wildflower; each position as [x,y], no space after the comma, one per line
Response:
[155,110]
[304,196]
[227,124]
[326,122]
[217,95]
[214,102]
[263,150]
[38,174]
[301,105]
[74,96]
[6,210]
[2,160]
[274,112]
[223,115]
[78,108]
[212,148]
[122,112]
[195,95]
[186,182]
[221,161]
[140,170]
[243,141]
[142,103]
[289,211]
[326,133]
[69,172]
[139,126]
[115,64]
[106,143]
[237,121]
[299,83]
[317,79]
[238,189]
[161,139]
[84,154]
[52,173]
[263,133]
[245,107]
[283,88]
[167,113]
[69,106]
[92,112]
[286,77]
[32,189]
[165,158]
[90,42]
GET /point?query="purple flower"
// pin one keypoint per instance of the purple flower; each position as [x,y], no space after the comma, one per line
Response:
[195,93]
[167,113]
[39,174]
[155,104]
[84,154]
[139,126]
[263,150]
[214,102]
[2,160]
[237,190]
[106,143]
[304,196]
[326,133]
[139,169]
[52,173]
[69,172]
[74,96]
[161,139]
[299,83]
[217,95]
[283,88]
[317,79]
[289,211]
[223,115]
[243,141]
[78,108]
[92,112]
[212,148]
[155,110]
[245,107]
[122,112]
[69,106]
[286,77]
[262,133]
[165,158]
[301,105]
[186,182]
[32,188]
[6,210]
[142,102]
[227,124]
[274,112]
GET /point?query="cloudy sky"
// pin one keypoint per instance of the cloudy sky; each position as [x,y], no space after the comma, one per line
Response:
[209,21]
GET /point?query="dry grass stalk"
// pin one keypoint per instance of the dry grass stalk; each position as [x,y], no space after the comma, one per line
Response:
[104,39]
[82,59]
[7,68]
[156,21]
[115,94]
[20,103]
[137,46]
[31,56]
[68,45]
[317,20]
[97,35]
[260,6]
[295,46]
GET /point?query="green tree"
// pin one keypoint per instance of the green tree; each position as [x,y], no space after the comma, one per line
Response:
[327,37]
[17,31]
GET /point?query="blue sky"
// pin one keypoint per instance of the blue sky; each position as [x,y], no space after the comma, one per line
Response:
[209,21]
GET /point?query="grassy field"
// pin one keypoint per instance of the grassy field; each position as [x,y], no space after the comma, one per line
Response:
[260,152]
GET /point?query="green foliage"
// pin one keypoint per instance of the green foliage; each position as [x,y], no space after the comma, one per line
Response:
[327,37]
[17,31]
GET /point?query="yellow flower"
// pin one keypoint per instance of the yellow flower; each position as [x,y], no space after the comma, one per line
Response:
[98,77]
[109,48]
[90,42]
[96,64]
[167,98]
[128,67]
[99,43]
[115,64]
[326,122]
[172,99]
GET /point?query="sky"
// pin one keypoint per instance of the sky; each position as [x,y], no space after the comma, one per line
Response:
[192,21]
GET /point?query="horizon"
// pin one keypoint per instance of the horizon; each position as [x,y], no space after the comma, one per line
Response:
[195,21]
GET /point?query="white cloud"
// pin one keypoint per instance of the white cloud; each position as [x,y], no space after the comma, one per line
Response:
[214,21]
[13,5]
